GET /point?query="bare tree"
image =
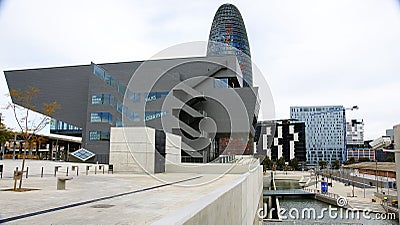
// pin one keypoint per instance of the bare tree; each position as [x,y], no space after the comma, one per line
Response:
[29,126]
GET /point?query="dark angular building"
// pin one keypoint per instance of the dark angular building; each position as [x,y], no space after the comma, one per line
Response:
[281,138]
[228,36]
[188,100]
[209,101]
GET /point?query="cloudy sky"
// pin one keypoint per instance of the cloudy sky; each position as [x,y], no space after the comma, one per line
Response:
[320,52]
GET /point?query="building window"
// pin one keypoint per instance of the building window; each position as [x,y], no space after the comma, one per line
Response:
[119,106]
[99,135]
[151,96]
[221,83]
[103,99]
[121,88]
[98,72]
[133,116]
[109,79]
[133,96]
[118,123]
[101,117]
[94,135]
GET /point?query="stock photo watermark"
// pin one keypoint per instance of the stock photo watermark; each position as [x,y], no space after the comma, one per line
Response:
[330,212]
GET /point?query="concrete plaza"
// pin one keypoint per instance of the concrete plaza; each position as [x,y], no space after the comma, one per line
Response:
[101,198]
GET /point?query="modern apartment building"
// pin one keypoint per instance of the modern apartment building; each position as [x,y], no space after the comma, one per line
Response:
[325,131]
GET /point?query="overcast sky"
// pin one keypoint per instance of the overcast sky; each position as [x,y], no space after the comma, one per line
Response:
[341,52]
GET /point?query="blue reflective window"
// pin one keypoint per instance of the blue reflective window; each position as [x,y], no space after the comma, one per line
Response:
[221,83]
[109,79]
[53,124]
[101,117]
[94,135]
[151,115]
[104,135]
[97,99]
[121,88]
[151,96]
[133,96]
[95,117]
[118,123]
[133,116]
[119,107]
[99,135]
[98,72]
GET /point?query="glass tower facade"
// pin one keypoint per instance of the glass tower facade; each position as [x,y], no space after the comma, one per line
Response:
[325,132]
[228,36]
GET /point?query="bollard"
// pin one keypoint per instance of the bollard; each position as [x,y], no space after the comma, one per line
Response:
[1,170]
[67,171]
[56,170]
[87,170]
[41,173]
[103,168]
[27,170]
[95,170]
[77,169]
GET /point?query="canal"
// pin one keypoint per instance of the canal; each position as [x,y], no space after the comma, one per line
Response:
[300,210]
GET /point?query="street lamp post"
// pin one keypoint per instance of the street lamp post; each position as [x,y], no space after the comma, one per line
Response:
[364,184]
[376,175]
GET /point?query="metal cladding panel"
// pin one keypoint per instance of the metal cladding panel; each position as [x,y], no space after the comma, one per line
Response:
[68,86]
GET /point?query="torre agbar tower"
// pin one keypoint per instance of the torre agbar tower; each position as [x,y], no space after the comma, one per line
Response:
[228,36]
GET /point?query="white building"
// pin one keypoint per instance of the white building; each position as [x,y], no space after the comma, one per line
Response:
[355,132]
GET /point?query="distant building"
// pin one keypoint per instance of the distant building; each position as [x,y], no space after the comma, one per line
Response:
[358,151]
[325,128]
[355,132]
[281,138]
[228,36]
[390,133]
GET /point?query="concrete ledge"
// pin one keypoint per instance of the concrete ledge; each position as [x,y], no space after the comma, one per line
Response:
[209,168]
[235,203]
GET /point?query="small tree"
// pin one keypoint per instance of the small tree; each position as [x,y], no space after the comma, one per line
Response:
[322,164]
[267,163]
[294,163]
[351,160]
[28,126]
[280,163]
[336,164]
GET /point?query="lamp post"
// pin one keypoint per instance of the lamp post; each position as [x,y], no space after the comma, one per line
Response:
[376,175]
[364,184]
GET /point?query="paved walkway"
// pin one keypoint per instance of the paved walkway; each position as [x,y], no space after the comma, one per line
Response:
[363,197]
[100,199]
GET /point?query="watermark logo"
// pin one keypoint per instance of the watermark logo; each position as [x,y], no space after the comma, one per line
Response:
[330,212]
[341,201]
[204,100]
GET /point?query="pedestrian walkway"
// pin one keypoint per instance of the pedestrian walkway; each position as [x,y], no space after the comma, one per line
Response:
[360,204]
[358,198]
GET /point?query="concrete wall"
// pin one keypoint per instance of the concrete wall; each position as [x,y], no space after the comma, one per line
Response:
[235,203]
[396,131]
[172,149]
[132,149]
